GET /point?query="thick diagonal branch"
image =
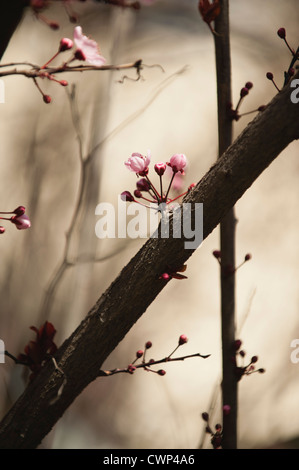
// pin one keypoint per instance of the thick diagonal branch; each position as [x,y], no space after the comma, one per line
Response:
[81,356]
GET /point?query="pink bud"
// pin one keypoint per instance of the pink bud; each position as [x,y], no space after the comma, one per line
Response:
[178,162]
[20,210]
[183,339]
[2,229]
[160,168]
[131,368]
[139,353]
[137,193]
[47,99]
[127,196]
[217,254]
[63,83]
[21,221]
[161,372]
[54,25]
[165,276]
[148,344]
[65,44]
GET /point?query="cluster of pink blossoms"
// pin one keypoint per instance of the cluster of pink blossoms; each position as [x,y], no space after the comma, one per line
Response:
[139,164]
[19,219]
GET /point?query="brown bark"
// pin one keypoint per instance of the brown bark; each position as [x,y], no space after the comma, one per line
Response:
[138,284]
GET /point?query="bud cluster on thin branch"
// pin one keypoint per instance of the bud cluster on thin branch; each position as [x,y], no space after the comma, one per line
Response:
[147,364]
[83,49]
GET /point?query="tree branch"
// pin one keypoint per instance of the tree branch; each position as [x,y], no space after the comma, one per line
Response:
[82,354]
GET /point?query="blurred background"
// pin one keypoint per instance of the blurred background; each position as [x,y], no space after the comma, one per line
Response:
[171,109]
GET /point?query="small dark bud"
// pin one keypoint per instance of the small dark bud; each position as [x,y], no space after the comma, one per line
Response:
[281,33]
[244,91]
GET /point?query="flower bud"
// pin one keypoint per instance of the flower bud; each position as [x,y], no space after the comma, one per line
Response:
[139,353]
[2,230]
[247,257]
[143,185]
[254,359]
[217,254]
[53,25]
[269,75]
[47,99]
[137,193]
[244,91]
[127,196]
[248,85]
[161,372]
[205,416]
[20,210]
[281,33]
[148,344]
[237,344]
[160,168]
[131,368]
[183,339]
[226,409]
[65,44]
[165,276]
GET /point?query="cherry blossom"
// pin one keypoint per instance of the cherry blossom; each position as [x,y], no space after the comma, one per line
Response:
[178,162]
[139,163]
[87,49]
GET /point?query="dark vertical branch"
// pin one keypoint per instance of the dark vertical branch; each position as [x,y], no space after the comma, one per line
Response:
[227,230]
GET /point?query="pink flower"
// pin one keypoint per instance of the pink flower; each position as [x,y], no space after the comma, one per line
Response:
[178,162]
[87,49]
[21,221]
[138,163]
